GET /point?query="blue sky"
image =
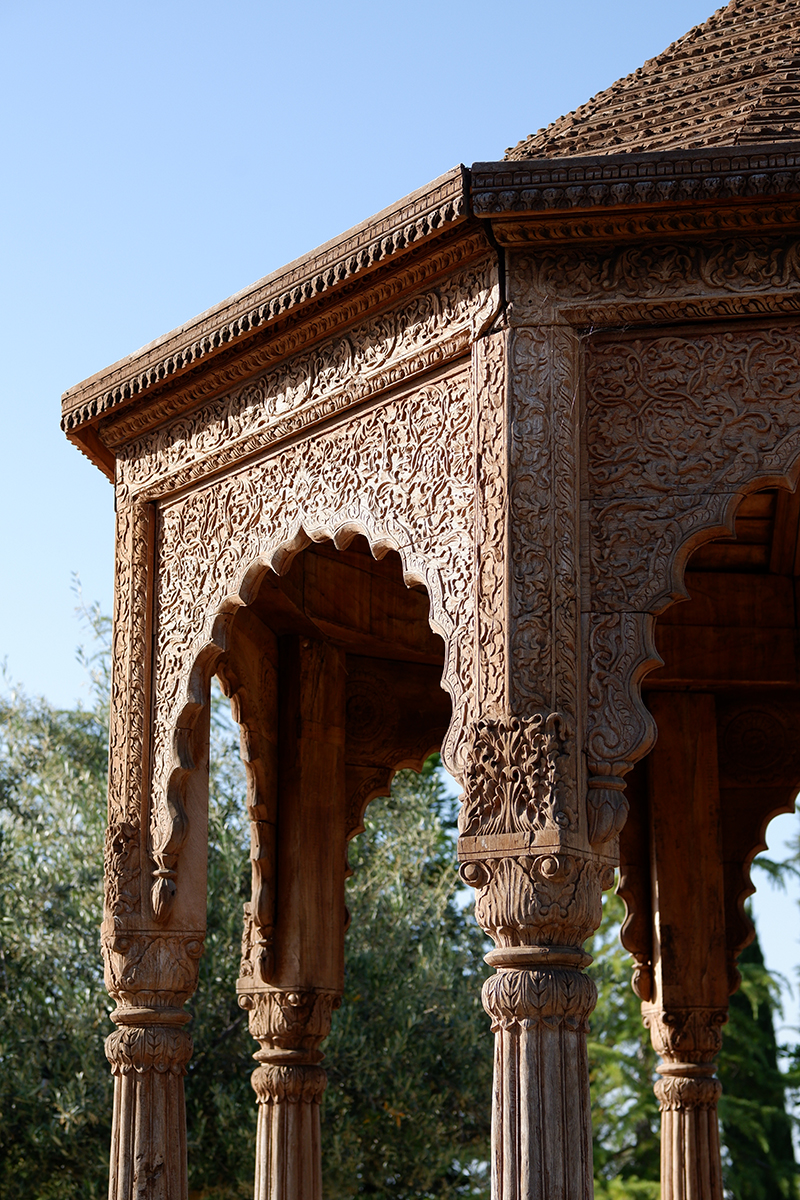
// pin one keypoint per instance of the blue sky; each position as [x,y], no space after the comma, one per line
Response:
[160,156]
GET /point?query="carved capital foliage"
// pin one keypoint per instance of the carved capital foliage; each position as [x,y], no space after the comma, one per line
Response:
[516,780]
[161,1048]
[692,1035]
[284,1020]
[678,1093]
[546,899]
[539,999]
[274,1082]
[152,969]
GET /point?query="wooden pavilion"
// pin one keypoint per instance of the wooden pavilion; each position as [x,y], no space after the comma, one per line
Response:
[531,434]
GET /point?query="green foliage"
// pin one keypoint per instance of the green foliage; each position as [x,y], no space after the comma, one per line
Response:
[622,1063]
[755,1124]
[406,1113]
[55,1089]
[409,1056]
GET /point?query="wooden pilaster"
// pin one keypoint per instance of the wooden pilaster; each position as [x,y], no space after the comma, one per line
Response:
[690,978]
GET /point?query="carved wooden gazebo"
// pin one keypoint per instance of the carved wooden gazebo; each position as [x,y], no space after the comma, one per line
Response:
[488,439]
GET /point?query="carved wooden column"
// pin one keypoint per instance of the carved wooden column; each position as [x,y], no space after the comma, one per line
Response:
[291,995]
[689,1004]
[528,843]
[151,954]
[150,977]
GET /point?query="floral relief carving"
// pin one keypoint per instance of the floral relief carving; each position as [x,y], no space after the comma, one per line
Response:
[538,900]
[732,266]
[491,508]
[129,683]
[401,474]
[515,779]
[691,414]
[428,329]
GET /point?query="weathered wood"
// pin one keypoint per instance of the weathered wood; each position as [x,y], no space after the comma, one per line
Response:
[690,983]
[290,1013]
[538,440]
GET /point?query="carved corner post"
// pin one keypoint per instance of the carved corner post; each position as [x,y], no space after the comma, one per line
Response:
[150,971]
[689,1004]
[290,999]
[526,837]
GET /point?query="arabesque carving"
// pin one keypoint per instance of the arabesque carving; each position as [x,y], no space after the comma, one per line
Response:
[372,474]
[429,329]
[515,780]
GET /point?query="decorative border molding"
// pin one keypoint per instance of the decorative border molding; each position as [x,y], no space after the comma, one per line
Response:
[610,180]
[421,216]
[427,331]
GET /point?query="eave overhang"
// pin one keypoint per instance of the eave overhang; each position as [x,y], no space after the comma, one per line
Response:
[609,198]
[296,294]
[617,197]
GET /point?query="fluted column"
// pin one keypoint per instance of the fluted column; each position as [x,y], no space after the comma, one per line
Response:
[688,1093]
[539,909]
[150,975]
[291,994]
[289,1083]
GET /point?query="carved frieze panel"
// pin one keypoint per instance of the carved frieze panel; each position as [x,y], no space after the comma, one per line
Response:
[715,270]
[678,427]
[691,412]
[433,326]
[401,474]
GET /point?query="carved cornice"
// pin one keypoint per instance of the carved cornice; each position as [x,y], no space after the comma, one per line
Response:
[671,192]
[428,330]
[417,219]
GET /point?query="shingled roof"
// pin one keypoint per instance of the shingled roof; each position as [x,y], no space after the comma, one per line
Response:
[734,80]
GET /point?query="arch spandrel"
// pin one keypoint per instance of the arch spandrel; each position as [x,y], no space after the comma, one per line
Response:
[401,474]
